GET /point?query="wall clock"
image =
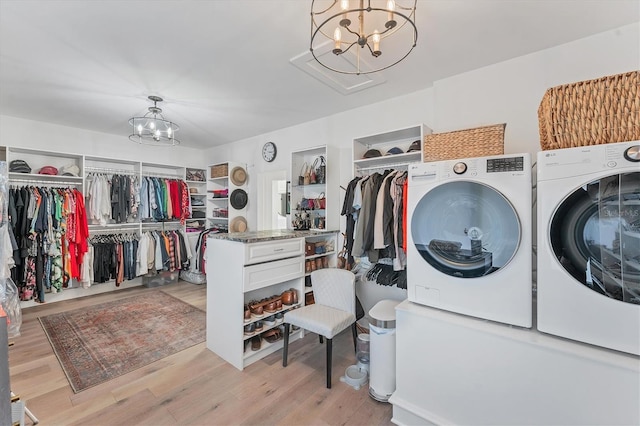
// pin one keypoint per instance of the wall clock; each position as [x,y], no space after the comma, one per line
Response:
[269,151]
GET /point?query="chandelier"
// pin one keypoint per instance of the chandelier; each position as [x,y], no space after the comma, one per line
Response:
[367,36]
[153,129]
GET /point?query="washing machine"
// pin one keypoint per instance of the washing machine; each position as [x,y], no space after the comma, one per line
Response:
[469,237]
[588,286]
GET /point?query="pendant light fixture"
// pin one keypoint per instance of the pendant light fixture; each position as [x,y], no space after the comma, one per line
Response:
[367,35]
[152,128]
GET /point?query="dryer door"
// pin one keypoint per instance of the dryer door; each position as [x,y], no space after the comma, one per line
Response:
[465,229]
[595,235]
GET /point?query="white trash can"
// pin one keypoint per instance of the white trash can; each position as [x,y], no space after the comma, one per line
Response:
[382,364]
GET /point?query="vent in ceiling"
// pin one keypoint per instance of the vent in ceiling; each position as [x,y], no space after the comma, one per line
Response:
[343,83]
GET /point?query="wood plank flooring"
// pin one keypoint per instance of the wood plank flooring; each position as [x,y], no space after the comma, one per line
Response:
[192,387]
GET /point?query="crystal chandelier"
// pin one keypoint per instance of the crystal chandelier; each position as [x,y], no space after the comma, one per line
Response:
[367,36]
[153,129]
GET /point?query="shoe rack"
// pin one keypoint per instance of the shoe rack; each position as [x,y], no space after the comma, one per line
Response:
[320,252]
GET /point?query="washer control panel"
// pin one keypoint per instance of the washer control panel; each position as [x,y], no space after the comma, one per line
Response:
[510,164]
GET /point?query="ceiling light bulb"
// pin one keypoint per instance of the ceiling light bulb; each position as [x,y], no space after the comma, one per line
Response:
[140,128]
[337,37]
[391,6]
[152,124]
[376,42]
[169,131]
[344,4]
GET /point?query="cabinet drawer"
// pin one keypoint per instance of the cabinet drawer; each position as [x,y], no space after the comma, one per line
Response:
[266,274]
[272,250]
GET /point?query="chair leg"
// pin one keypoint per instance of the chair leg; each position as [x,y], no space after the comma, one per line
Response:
[329,347]
[285,347]
[354,332]
[320,338]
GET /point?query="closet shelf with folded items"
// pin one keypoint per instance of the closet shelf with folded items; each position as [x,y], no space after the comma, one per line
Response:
[197,182]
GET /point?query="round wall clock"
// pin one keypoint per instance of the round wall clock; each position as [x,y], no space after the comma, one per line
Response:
[269,151]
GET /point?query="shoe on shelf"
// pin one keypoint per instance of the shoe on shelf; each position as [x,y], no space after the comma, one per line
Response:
[247,313]
[250,329]
[257,310]
[259,326]
[272,335]
[256,343]
[287,297]
[295,295]
[270,320]
[279,317]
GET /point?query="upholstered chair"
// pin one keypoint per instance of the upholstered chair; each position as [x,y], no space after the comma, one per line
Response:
[333,311]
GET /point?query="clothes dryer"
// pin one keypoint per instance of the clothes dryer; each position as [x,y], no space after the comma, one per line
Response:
[589,244]
[469,237]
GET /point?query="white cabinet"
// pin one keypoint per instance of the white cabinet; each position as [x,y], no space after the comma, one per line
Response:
[225,193]
[315,204]
[401,139]
[241,272]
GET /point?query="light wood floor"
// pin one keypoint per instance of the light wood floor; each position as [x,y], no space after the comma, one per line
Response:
[192,387]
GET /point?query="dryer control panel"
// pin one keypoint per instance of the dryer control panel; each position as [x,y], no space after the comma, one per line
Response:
[510,164]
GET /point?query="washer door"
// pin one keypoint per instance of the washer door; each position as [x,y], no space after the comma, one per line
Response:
[595,235]
[465,229]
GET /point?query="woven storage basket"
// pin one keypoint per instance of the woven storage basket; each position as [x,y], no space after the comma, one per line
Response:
[220,170]
[477,142]
[592,112]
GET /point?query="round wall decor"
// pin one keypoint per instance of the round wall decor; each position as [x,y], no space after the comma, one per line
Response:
[238,199]
[238,176]
[269,151]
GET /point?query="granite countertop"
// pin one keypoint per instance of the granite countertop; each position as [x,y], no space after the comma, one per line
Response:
[269,235]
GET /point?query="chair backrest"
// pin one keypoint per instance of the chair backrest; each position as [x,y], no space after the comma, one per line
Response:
[335,288]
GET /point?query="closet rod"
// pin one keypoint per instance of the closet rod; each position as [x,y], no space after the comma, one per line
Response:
[385,166]
[107,170]
[17,182]
[162,175]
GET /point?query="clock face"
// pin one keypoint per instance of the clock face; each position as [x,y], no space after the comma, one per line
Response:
[269,151]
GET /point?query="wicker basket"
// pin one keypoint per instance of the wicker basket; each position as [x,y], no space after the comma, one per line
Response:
[220,170]
[477,142]
[605,110]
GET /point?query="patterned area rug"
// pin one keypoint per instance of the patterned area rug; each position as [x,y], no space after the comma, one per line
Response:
[98,343]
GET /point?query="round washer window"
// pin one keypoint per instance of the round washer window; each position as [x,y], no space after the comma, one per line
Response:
[465,229]
[595,235]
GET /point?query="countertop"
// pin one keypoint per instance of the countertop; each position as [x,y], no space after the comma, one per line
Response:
[269,235]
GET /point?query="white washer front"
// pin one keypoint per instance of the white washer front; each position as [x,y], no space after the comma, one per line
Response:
[589,244]
[469,237]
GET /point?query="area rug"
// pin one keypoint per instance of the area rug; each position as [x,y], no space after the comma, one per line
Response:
[98,343]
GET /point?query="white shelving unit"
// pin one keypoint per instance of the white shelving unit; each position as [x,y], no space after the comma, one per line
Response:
[328,257]
[197,181]
[220,212]
[329,217]
[401,138]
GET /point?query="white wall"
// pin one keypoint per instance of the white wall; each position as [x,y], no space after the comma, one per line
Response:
[18,132]
[508,92]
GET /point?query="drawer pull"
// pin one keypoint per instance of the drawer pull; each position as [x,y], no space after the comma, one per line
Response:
[279,249]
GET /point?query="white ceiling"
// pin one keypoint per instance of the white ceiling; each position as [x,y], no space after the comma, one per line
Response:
[223,68]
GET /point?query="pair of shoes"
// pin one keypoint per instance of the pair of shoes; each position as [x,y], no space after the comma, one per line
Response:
[250,329]
[256,343]
[289,297]
[279,317]
[270,320]
[272,335]
[258,325]
[273,304]
[256,309]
